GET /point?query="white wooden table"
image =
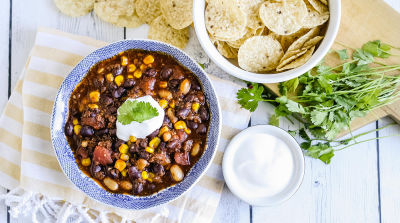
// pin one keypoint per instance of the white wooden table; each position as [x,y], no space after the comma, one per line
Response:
[362,184]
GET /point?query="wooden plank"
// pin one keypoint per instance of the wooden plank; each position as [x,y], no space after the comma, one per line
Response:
[344,191]
[3,207]
[389,154]
[29,15]
[231,209]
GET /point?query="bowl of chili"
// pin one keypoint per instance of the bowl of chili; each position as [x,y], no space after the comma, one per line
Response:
[138,173]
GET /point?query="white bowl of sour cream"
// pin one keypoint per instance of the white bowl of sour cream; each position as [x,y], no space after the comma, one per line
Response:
[263,165]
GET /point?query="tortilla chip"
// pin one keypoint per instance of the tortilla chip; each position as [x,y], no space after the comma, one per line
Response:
[260,53]
[147,10]
[251,7]
[299,61]
[314,18]
[295,55]
[298,44]
[226,50]
[283,18]
[177,13]
[162,31]
[75,8]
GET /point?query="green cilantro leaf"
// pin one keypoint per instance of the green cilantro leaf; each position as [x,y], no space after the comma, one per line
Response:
[135,111]
[303,134]
[248,98]
[274,120]
[342,54]
[318,117]
[292,132]
[295,107]
[363,57]
[322,151]
[377,49]
[291,85]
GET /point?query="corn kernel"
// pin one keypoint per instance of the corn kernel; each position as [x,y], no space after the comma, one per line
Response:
[129,76]
[163,84]
[148,59]
[149,149]
[123,148]
[132,139]
[180,125]
[77,129]
[100,70]
[120,165]
[86,162]
[118,80]
[75,121]
[131,68]
[124,157]
[188,131]
[163,130]
[172,104]
[143,67]
[154,142]
[124,60]
[145,175]
[110,77]
[163,103]
[94,96]
[93,106]
[138,74]
[150,177]
[84,144]
[124,172]
[195,106]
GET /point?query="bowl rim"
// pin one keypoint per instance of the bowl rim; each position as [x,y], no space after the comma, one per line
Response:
[236,71]
[71,169]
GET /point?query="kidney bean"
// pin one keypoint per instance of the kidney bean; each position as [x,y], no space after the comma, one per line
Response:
[111,184]
[182,158]
[195,149]
[203,113]
[184,87]
[201,129]
[87,131]
[166,72]
[151,72]
[126,185]
[129,83]
[117,93]
[192,125]
[133,173]
[187,145]
[173,144]
[176,172]
[183,113]
[69,128]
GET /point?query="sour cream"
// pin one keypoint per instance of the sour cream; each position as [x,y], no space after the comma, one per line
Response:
[141,130]
[263,168]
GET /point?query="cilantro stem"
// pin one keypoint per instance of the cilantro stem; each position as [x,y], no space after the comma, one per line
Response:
[367,140]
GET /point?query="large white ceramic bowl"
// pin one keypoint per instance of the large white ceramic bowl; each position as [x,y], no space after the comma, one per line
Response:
[234,70]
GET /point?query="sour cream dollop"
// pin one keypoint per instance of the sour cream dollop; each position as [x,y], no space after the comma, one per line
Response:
[141,130]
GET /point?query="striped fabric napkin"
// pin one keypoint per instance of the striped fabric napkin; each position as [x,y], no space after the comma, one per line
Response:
[28,161]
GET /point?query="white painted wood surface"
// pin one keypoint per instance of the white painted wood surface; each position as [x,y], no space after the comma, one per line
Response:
[351,189]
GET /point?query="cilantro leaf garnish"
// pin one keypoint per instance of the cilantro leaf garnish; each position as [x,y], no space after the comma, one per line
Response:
[131,111]
[326,99]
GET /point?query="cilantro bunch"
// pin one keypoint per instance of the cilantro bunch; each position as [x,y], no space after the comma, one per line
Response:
[326,99]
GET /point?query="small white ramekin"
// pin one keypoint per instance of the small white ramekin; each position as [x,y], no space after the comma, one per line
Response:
[232,69]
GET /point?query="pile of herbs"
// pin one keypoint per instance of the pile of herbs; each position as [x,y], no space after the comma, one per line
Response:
[326,99]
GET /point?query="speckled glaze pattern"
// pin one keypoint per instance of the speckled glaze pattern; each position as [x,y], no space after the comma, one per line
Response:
[66,157]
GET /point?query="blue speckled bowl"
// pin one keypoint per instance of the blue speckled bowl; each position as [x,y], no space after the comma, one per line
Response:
[66,157]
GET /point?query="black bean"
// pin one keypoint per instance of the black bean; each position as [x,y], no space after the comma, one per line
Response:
[113,173]
[117,70]
[173,144]
[158,169]
[69,128]
[203,113]
[97,172]
[151,72]
[137,188]
[133,173]
[201,129]
[87,131]
[183,113]
[129,83]
[117,93]
[190,98]
[106,100]
[161,147]
[173,83]
[118,143]
[144,155]
[102,132]
[153,134]
[192,125]
[166,73]
[113,131]
[151,186]
[196,86]
[133,148]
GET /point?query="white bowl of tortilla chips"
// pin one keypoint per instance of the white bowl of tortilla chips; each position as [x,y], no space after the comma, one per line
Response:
[266,41]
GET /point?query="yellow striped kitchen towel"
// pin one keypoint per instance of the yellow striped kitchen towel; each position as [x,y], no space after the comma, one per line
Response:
[28,161]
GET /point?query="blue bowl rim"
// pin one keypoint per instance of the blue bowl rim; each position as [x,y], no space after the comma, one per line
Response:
[92,188]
